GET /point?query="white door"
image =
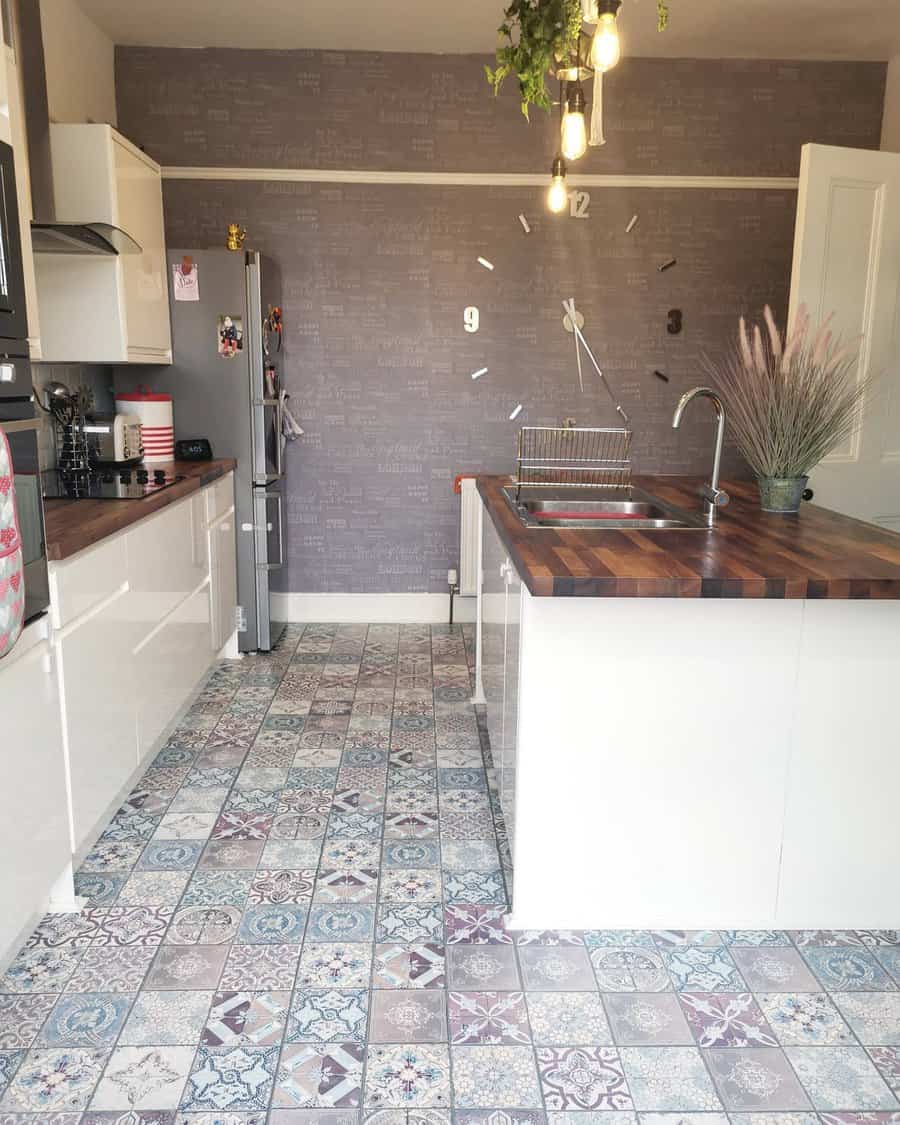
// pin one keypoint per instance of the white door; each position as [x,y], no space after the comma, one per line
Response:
[847,261]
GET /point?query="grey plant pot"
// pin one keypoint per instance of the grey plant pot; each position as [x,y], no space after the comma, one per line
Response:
[781,494]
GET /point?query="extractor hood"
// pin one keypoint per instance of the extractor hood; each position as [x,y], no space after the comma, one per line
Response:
[49,235]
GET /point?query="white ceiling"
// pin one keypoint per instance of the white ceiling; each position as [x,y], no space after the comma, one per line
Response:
[823,29]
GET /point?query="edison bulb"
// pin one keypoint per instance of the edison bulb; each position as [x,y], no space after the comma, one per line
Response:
[605,50]
[574,135]
[558,195]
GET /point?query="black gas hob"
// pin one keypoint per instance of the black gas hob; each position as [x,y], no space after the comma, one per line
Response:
[106,484]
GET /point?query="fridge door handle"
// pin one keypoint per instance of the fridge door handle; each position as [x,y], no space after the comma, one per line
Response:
[278,500]
[279,441]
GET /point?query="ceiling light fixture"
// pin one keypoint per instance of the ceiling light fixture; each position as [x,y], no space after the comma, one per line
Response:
[574,131]
[558,195]
[606,48]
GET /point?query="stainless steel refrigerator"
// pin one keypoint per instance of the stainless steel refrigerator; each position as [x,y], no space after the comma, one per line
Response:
[221,391]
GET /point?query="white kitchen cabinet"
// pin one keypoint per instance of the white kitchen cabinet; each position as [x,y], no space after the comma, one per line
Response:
[223,579]
[509,747]
[169,665]
[97,684]
[105,308]
[34,830]
[16,124]
[137,623]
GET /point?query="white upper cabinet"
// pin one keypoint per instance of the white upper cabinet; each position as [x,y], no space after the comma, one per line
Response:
[98,308]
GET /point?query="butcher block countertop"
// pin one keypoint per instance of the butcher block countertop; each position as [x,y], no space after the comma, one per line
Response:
[750,554]
[72,525]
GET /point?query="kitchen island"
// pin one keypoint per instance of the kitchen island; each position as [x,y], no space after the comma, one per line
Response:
[694,727]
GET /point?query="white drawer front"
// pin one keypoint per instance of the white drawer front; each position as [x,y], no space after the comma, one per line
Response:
[167,559]
[88,579]
[219,497]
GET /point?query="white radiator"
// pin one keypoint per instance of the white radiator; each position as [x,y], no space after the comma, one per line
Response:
[469,547]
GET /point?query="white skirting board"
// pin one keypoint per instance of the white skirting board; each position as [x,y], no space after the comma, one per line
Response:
[374,609]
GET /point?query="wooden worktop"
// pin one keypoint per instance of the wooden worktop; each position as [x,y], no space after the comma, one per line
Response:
[750,554]
[72,525]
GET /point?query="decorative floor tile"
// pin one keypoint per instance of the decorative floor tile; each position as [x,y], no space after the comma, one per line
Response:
[85,1019]
[314,1077]
[112,855]
[414,965]
[495,1077]
[474,886]
[754,938]
[556,968]
[290,854]
[153,888]
[873,1016]
[804,1018]
[759,1079]
[647,1018]
[887,1060]
[841,969]
[170,855]
[231,1078]
[771,969]
[726,1019]
[404,1016]
[567,1018]
[668,1079]
[344,922]
[111,969]
[409,922]
[187,967]
[582,1078]
[476,925]
[335,965]
[55,1079]
[273,925]
[629,969]
[142,1078]
[236,824]
[204,925]
[480,967]
[841,1078]
[185,826]
[41,970]
[695,968]
[209,887]
[251,1019]
[170,1017]
[21,1018]
[410,884]
[890,959]
[548,937]
[232,855]
[345,885]
[99,889]
[493,1018]
[328,1015]
[260,967]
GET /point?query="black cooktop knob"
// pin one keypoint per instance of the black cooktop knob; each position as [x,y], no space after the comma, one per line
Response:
[107,478]
[125,477]
[159,475]
[143,476]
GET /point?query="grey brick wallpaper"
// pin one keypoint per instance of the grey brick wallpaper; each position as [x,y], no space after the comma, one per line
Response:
[376,278]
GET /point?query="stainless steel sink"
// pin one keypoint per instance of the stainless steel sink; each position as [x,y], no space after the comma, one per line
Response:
[600,509]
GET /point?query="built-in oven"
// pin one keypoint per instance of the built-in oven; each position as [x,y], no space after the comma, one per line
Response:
[13,322]
[19,422]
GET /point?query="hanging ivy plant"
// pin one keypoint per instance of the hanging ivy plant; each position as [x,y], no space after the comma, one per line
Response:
[535,34]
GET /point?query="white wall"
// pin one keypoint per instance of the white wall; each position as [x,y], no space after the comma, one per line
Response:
[890,129]
[79,59]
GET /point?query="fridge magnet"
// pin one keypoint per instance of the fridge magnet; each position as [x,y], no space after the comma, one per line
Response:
[230,336]
[272,325]
[185,281]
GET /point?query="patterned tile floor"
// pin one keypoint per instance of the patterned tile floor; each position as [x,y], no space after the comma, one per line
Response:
[296,917]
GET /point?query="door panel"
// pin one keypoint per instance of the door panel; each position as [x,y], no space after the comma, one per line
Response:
[847,262]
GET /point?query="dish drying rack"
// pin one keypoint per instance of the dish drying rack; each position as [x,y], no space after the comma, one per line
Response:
[550,456]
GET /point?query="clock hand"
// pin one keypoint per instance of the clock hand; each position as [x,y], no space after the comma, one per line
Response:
[571,314]
[569,306]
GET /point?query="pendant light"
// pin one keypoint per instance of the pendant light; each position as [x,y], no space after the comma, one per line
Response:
[574,130]
[606,49]
[558,195]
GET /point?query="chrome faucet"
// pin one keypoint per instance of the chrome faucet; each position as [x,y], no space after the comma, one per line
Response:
[713,496]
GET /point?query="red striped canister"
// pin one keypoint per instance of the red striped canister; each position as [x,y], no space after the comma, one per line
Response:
[157,425]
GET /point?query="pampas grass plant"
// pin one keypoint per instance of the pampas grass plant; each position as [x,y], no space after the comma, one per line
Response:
[790,401]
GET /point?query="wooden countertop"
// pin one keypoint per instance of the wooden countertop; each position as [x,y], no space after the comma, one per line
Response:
[72,525]
[750,554]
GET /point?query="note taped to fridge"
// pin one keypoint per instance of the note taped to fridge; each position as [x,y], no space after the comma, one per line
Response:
[185,284]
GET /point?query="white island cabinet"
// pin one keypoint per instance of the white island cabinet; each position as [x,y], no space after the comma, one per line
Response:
[138,620]
[34,836]
[705,763]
